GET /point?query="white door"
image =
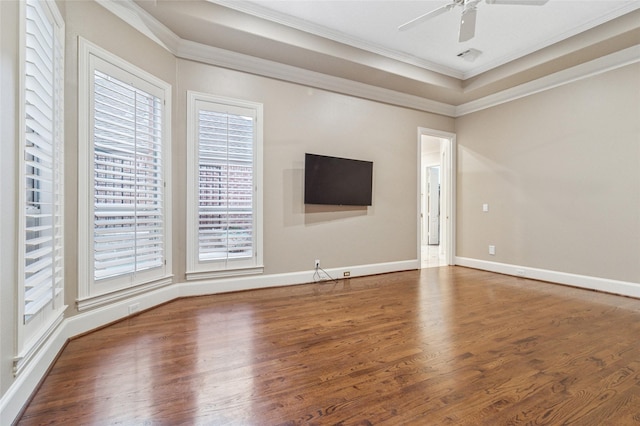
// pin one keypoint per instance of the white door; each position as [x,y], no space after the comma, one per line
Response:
[433,205]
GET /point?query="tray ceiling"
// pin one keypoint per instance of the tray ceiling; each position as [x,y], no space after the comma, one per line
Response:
[359,40]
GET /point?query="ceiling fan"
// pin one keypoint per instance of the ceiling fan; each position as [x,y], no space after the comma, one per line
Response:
[469,11]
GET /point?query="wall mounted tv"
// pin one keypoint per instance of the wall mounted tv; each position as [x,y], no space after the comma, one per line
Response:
[337,181]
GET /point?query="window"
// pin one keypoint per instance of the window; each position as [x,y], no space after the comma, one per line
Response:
[128,179]
[125,195]
[224,186]
[41,176]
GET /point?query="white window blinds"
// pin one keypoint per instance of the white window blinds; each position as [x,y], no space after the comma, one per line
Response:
[43,161]
[225,185]
[128,179]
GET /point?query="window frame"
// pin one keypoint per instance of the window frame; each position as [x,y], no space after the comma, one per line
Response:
[92,292]
[32,332]
[197,269]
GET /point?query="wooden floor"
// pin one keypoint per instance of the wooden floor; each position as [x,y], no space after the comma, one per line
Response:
[441,346]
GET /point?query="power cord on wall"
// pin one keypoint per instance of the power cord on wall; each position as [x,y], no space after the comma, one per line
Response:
[317,276]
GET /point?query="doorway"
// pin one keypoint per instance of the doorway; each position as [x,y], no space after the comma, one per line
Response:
[436,198]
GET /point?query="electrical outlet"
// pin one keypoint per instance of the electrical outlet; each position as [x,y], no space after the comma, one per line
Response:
[492,250]
[346,274]
[317,264]
[133,308]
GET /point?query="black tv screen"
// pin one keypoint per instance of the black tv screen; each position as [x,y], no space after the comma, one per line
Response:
[337,181]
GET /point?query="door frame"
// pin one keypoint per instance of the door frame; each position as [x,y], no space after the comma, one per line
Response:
[448,201]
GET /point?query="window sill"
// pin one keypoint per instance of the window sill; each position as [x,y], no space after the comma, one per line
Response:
[201,275]
[107,298]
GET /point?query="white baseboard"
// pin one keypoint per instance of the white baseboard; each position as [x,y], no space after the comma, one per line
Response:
[26,383]
[623,288]
[21,389]
[252,282]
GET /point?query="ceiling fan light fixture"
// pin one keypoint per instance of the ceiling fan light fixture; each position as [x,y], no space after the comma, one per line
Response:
[468,24]
[469,14]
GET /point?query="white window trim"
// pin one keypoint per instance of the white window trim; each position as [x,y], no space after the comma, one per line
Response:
[202,270]
[89,295]
[32,335]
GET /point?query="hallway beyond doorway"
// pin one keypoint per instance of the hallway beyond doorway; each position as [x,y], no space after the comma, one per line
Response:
[432,256]
[436,197]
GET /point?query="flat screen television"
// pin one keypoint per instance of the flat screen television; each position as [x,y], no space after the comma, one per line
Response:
[337,181]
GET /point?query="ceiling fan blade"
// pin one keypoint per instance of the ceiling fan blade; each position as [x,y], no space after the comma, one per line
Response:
[519,2]
[426,16]
[468,24]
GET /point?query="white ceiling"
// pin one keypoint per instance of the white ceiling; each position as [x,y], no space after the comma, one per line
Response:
[503,32]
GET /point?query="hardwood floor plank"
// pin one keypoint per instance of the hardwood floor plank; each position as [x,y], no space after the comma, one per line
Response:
[438,346]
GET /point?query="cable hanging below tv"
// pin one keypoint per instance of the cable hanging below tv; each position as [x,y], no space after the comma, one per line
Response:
[337,181]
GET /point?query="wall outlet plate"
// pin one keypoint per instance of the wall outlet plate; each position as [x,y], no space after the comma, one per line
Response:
[133,308]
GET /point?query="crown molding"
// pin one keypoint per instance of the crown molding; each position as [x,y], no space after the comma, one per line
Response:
[141,20]
[601,65]
[622,10]
[233,60]
[258,11]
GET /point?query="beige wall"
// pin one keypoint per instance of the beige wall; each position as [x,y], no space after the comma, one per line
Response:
[560,171]
[300,119]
